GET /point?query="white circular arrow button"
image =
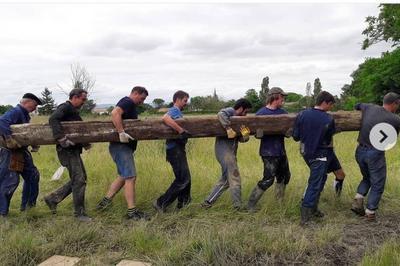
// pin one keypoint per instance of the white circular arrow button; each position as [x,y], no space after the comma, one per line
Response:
[383,136]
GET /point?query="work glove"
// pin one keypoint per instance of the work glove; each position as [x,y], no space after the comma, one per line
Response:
[125,137]
[35,148]
[65,142]
[185,134]
[337,186]
[259,133]
[87,146]
[12,143]
[245,131]
[230,133]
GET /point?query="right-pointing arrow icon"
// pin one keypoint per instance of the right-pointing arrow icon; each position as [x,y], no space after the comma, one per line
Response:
[384,136]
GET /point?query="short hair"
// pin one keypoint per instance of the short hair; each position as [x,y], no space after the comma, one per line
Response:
[391,97]
[272,97]
[140,90]
[324,96]
[242,103]
[76,92]
[179,95]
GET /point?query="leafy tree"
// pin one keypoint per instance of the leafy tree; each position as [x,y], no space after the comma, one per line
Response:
[109,109]
[264,90]
[385,27]
[317,87]
[5,108]
[48,103]
[293,97]
[253,98]
[158,103]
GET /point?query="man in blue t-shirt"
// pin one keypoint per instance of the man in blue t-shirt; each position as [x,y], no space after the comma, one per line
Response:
[314,128]
[16,160]
[122,153]
[272,152]
[176,156]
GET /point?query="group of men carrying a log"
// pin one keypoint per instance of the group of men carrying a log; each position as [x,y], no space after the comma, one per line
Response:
[313,128]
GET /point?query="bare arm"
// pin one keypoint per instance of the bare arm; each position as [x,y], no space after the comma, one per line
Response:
[171,123]
[116,117]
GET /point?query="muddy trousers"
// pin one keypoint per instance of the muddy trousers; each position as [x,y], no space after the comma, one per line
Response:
[180,188]
[225,151]
[71,159]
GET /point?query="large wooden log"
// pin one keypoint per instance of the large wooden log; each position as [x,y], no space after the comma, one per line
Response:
[154,128]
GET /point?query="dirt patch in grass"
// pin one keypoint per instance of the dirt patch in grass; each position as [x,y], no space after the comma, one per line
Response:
[360,237]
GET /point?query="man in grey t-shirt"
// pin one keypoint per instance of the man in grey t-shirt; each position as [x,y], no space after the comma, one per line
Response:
[372,161]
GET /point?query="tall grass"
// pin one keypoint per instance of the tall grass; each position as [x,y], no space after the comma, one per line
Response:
[194,236]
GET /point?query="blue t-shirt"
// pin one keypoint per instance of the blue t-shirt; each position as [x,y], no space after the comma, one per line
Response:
[130,112]
[129,108]
[272,145]
[17,115]
[175,113]
[314,128]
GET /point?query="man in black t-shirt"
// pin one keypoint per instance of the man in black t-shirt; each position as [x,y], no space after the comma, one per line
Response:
[122,153]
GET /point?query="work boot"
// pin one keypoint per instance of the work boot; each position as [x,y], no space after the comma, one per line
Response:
[136,215]
[358,206]
[83,218]
[318,213]
[306,215]
[205,204]
[254,198]
[370,215]
[52,206]
[103,204]
[158,207]
[280,191]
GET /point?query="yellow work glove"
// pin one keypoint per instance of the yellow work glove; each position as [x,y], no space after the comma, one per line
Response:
[231,133]
[245,131]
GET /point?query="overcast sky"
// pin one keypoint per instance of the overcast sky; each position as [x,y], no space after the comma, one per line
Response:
[193,47]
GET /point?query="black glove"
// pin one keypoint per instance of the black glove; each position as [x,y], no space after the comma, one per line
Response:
[65,142]
[338,185]
[185,135]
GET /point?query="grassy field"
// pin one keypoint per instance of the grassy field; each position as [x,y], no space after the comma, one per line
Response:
[194,236]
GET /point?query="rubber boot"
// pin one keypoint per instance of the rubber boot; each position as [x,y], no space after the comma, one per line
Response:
[358,206]
[254,198]
[306,215]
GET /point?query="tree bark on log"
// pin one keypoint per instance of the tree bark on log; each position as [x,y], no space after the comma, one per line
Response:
[154,128]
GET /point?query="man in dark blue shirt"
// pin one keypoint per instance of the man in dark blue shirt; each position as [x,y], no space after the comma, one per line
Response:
[314,128]
[122,153]
[16,160]
[272,151]
[176,156]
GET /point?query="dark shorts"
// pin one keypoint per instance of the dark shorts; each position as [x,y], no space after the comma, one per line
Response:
[276,167]
[334,164]
[122,155]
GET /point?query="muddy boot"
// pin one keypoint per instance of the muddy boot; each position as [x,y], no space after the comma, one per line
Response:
[358,206]
[318,213]
[254,198]
[370,215]
[306,215]
[280,191]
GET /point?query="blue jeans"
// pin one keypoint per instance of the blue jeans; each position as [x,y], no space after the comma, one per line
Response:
[372,164]
[9,181]
[319,166]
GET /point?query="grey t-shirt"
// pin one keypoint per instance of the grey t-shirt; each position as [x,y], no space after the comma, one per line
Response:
[371,115]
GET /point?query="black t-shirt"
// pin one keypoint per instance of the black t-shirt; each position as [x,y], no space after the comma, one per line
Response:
[130,112]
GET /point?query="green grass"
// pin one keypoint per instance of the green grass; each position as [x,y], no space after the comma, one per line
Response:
[194,236]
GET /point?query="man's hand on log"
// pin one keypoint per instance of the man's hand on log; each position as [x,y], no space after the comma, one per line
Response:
[12,143]
[245,131]
[125,137]
[65,142]
[231,133]
[35,148]
[185,134]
